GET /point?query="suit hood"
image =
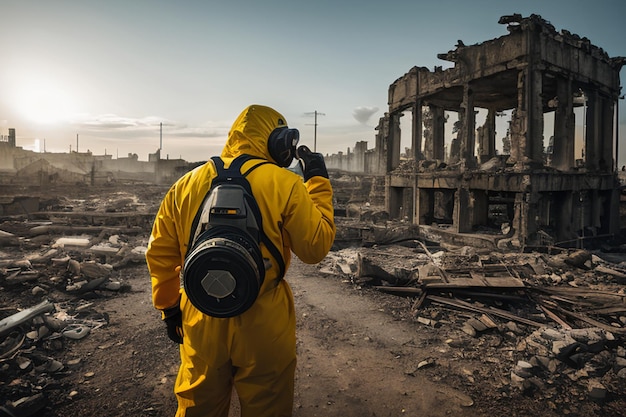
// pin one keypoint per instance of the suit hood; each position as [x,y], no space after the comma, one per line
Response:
[251,130]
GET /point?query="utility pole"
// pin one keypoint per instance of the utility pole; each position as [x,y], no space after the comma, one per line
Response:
[315,113]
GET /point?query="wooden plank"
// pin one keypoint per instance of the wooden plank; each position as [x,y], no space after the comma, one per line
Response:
[490,310]
[593,322]
[418,303]
[489,275]
[398,290]
[554,317]
[583,296]
[607,310]
[491,282]
[479,277]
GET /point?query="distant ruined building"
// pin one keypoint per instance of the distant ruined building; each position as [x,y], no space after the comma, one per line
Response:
[547,184]
[23,167]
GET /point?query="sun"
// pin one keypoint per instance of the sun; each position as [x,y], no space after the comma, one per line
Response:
[44,102]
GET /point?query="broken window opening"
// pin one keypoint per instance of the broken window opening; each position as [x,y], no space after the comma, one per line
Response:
[451,136]
[503,119]
[454,156]
[406,135]
[548,138]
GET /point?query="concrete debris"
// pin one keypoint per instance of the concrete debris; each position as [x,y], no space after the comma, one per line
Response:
[9,323]
[574,303]
[59,274]
[548,316]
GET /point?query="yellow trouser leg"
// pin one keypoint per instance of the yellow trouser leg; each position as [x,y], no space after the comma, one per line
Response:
[264,356]
[205,377]
[255,351]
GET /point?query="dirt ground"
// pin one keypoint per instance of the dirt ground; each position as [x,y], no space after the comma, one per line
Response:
[361,352]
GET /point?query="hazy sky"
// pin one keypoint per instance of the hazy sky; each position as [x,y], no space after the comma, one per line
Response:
[111,71]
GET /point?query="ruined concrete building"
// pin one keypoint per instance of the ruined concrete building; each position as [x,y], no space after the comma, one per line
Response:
[21,167]
[551,182]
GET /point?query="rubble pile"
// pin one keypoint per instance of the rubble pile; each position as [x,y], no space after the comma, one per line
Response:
[554,324]
[51,272]
[551,324]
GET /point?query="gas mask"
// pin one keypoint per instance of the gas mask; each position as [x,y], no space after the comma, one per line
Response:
[281,145]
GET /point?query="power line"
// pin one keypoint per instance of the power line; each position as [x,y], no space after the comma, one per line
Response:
[315,113]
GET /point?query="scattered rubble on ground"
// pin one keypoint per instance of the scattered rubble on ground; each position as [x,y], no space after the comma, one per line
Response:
[549,319]
[557,319]
[51,270]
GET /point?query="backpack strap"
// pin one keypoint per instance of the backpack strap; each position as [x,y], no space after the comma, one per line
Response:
[264,238]
[234,175]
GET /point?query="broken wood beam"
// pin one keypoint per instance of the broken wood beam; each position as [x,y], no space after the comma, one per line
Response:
[399,290]
[418,303]
[554,317]
[490,310]
[595,323]
[583,297]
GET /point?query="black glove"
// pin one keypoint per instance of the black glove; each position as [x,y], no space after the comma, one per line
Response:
[313,163]
[173,318]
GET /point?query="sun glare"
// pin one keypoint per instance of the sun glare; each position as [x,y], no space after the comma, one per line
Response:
[44,103]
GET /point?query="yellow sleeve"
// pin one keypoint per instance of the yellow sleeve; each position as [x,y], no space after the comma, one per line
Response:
[163,255]
[310,223]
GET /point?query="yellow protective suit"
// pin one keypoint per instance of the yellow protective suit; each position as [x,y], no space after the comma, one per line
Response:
[256,351]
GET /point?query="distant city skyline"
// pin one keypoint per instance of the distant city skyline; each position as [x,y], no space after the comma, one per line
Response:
[112,72]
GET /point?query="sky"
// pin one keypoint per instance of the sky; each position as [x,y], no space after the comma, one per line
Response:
[104,76]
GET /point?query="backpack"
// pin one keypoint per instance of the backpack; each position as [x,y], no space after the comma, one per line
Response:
[224,267]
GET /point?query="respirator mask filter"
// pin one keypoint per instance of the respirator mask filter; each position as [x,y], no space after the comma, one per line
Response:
[224,270]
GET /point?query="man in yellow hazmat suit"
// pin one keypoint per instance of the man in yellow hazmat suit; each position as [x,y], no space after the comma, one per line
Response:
[255,351]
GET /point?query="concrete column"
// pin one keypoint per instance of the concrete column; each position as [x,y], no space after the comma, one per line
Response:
[534,110]
[379,159]
[518,124]
[462,211]
[469,128]
[592,132]
[439,121]
[417,131]
[521,217]
[527,121]
[563,157]
[607,158]
[599,133]
[393,142]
